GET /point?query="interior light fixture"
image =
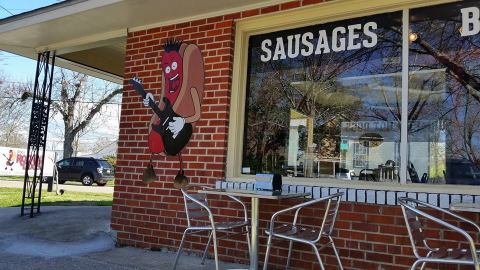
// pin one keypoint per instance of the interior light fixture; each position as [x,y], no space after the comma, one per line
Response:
[412,37]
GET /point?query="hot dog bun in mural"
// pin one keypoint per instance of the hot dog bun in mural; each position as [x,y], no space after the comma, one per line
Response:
[178,108]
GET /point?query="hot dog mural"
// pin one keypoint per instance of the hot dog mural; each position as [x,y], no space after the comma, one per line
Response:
[10,160]
[14,162]
[178,107]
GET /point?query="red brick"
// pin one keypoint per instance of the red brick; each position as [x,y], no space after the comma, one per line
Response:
[290,5]
[311,2]
[269,9]
[151,215]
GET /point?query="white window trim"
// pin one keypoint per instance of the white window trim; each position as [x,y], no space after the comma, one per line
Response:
[311,15]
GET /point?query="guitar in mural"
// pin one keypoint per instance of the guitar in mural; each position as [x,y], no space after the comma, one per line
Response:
[173,142]
[178,107]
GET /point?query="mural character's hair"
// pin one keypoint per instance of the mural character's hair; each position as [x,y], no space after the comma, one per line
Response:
[172,45]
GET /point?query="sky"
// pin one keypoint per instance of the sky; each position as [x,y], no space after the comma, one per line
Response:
[15,67]
[20,69]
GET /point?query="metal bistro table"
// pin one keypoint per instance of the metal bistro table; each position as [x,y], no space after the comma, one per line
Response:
[255,195]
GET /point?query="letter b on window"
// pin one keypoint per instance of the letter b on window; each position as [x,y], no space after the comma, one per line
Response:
[470,21]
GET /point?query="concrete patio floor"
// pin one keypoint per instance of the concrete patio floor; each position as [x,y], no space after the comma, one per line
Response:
[74,237]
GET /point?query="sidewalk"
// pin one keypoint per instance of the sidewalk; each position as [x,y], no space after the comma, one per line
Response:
[77,237]
[76,188]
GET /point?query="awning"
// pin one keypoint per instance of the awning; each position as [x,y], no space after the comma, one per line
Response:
[90,35]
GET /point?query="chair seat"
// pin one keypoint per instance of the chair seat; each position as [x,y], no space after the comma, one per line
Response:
[451,254]
[223,225]
[288,231]
[230,224]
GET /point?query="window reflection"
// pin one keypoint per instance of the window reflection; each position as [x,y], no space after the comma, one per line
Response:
[330,115]
[444,103]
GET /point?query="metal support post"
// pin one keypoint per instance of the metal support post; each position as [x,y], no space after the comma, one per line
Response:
[37,137]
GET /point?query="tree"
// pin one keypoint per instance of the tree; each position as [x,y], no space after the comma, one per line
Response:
[14,115]
[78,101]
[112,159]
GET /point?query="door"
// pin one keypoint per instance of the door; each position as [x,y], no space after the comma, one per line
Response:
[77,168]
[64,167]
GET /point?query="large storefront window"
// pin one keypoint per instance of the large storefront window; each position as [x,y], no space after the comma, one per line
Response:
[444,94]
[324,101]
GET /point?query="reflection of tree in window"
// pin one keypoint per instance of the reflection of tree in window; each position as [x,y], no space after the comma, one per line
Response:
[448,100]
[302,138]
[330,88]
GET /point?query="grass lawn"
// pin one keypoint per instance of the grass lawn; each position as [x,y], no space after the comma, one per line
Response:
[20,178]
[12,177]
[13,197]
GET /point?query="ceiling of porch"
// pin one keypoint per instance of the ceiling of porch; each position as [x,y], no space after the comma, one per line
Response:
[90,35]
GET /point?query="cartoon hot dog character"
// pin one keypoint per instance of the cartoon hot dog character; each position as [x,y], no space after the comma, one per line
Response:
[178,108]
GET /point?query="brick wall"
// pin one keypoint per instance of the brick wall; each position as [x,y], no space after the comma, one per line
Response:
[151,215]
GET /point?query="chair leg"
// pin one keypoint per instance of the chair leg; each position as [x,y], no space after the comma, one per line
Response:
[267,253]
[206,248]
[423,265]
[336,253]
[414,266]
[248,240]
[318,256]
[289,254]
[179,250]
[215,248]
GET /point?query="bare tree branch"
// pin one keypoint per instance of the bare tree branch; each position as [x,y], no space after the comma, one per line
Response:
[96,109]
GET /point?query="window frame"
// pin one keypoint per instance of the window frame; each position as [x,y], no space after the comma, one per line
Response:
[311,15]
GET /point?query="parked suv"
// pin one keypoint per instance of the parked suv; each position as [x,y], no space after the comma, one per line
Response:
[462,172]
[86,170]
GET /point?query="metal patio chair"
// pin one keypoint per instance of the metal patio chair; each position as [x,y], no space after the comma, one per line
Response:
[307,234]
[201,219]
[423,248]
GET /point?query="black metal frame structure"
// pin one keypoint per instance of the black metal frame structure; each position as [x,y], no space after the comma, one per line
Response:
[37,138]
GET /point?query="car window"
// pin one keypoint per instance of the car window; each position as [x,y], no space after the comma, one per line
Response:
[91,163]
[104,164]
[66,162]
[79,163]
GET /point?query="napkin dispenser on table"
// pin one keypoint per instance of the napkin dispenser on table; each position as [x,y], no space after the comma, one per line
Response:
[264,181]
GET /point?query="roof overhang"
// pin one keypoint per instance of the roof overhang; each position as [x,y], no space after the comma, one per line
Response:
[90,35]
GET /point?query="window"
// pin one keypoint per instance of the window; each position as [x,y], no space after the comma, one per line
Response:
[324,100]
[79,163]
[66,162]
[91,163]
[104,164]
[360,155]
[444,94]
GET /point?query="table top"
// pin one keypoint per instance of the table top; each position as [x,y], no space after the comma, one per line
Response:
[262,194]
[465,207]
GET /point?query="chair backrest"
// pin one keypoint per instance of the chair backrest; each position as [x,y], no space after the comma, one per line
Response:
[331,212]
[412,213]
[196,204]
[413,209]
[415,229]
